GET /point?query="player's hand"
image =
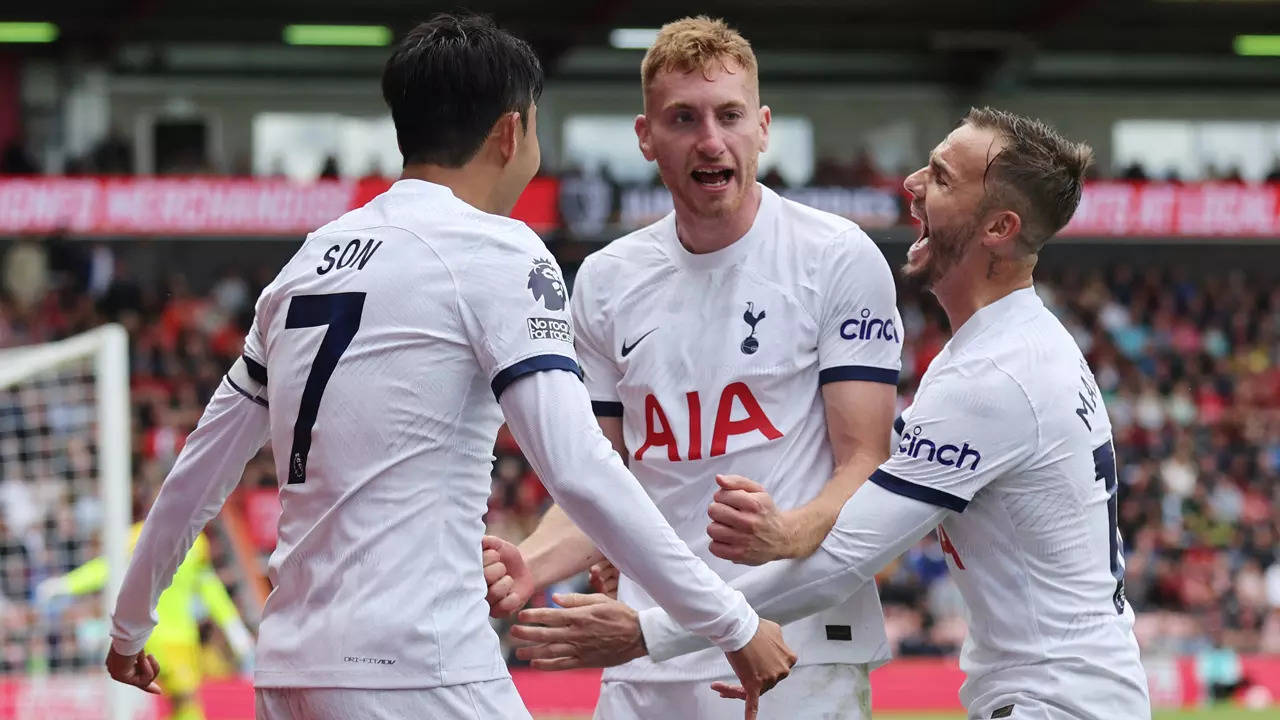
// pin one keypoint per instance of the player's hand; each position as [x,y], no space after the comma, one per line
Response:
[138,670]
[509,579]
[588,631]
[604,579]
[760,665]
[746,527]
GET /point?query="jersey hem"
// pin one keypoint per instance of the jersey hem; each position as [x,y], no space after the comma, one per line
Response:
[720,669]
[341,679]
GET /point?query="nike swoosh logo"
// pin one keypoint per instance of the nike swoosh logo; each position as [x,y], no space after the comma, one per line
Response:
[626,349]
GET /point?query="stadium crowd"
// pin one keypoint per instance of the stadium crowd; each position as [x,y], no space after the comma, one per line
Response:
[1187,365]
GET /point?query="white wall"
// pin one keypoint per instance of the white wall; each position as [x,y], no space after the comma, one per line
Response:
[900,122]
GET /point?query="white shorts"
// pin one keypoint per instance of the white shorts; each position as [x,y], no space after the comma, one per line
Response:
[811,692]
[489,700]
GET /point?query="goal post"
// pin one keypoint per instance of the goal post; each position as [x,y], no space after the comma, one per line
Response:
[64,426]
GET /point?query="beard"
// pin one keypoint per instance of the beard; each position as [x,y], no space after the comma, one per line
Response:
[941,250]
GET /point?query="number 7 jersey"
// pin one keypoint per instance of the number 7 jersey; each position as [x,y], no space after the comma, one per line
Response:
[383,345]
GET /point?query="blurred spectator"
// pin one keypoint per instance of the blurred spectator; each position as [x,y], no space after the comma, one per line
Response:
[17,161]
[864,172]
[1134,172]
[113,155]
[26,272]
[330,169]
[773,179]
[1274,175]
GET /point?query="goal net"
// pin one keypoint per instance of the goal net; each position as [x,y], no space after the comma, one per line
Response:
[64,500]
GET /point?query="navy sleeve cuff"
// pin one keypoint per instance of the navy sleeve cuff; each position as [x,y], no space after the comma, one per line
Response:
[858,372]
[536,363]
[923,493]
[602,408]
[257,370]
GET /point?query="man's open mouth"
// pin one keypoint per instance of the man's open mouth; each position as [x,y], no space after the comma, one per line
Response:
[713,177]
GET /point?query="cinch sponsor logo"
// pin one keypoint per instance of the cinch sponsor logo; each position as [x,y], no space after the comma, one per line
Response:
[550,329]
[866,327]
[369,660]
[950,455]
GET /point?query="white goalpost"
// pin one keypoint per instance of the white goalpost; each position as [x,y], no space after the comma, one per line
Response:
[65,449]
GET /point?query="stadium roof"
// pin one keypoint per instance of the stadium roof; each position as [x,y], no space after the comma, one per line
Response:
[963,42]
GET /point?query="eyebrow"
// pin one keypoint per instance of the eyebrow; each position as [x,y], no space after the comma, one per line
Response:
[727,105]
[938,167]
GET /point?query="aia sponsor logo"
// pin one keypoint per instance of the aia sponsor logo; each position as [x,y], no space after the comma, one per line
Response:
[738,413]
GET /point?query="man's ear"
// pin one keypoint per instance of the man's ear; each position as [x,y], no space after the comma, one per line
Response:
[766,117]
[645,137]
[1001,233]
[508,133]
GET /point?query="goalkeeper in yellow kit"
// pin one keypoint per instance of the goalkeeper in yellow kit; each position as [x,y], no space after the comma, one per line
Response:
[175,643]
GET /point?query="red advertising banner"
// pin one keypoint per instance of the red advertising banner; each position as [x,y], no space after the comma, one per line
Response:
[204,206]
[1203,210]
[196,206]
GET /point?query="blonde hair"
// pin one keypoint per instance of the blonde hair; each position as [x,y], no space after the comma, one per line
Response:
[696,43]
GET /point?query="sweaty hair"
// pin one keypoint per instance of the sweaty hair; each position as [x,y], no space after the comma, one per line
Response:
[450,79]
[696,43]
[1039,174]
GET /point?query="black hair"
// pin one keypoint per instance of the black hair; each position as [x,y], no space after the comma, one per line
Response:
[450,79]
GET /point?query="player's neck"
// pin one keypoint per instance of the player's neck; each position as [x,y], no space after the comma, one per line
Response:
[469,184]
[703,234]
[964,290]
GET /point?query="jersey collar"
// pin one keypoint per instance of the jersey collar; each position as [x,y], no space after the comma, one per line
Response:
[413,185]
[998,312]
[726,256]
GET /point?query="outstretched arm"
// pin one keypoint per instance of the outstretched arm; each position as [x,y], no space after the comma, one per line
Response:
[558,549]
[592,631]
[874,527]
[231,431]
[549,416]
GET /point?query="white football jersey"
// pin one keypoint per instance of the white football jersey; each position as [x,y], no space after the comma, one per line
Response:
[1008,430]
[383,344]
[715,363]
